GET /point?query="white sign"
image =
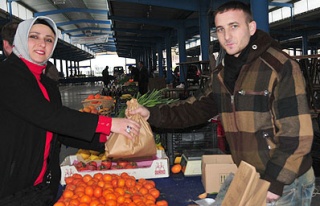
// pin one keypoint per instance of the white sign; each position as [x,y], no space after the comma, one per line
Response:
[90,39]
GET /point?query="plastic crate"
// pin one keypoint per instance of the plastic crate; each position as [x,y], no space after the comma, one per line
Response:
[200,137]
[131,89]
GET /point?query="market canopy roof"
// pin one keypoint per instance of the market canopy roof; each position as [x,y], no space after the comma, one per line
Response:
[130,27]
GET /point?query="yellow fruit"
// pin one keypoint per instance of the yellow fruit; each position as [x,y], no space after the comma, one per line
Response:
[94,152]
[102,156]
[203,195]
[85,154]
[160,147]
[94,157]
[177,160]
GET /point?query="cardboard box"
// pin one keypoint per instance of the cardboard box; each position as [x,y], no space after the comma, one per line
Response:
[156,168]
[246,188]
[215,169]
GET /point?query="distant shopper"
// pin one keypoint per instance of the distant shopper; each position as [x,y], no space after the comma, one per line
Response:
[134,73]
[107,78]
[7,33]
[143,78]
[34,122]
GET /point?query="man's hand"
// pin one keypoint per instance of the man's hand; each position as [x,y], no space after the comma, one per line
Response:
[271,197]
[144,112]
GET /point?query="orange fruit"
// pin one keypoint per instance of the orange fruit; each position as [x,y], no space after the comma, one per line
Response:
[94,203]
[86,178]
[107,97]
[111,203]
[121,199]
[68,193]
[162,203]
[85,199]
[60,203]
[148,185]
[86,109]
[91,96]
[97,192]
[68,180]
[97,96]
[110,196]
[107,177]
[119,190]
[74,202]
[143,191]
[176,168]
[98,176]
[88,191]
[83,204]
[154,192]
[121,182]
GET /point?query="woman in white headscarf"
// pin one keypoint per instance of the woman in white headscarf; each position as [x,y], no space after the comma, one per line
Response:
[33,121]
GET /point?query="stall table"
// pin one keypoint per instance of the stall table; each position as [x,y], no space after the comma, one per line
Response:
[179,190]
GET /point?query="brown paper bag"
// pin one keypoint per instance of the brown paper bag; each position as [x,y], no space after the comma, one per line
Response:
[246,188]
[119,146]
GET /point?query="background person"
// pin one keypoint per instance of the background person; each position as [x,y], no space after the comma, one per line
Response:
[143,78]
[134,73]
[52,72]
[107,78]
[34,123]
[259,93]
[7,33]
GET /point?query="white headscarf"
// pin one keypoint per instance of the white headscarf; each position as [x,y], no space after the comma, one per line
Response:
[20,43]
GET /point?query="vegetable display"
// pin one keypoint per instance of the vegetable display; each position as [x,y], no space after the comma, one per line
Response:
[150,99]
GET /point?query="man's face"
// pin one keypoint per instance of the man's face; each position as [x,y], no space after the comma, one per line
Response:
[234,31]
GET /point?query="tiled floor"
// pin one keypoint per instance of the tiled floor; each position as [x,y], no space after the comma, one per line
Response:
[72,97]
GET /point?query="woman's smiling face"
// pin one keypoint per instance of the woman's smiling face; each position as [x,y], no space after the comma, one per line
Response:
[40,42]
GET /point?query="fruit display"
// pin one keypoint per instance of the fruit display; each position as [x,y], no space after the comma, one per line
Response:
[89,155]
[105,165]
[109,189]
[98,104]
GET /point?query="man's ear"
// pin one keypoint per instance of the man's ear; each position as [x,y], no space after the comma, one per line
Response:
[252,27]
[6,45]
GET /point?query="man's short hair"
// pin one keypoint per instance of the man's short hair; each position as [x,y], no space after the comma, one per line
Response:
[8,31]
[235,5]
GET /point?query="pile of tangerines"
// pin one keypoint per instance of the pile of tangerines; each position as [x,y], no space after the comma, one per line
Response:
[109,190]
[97,104]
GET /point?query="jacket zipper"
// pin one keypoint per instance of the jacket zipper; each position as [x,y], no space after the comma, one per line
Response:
[232,101]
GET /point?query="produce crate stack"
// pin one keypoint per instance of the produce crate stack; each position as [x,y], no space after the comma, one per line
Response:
[131,89]
[200,137]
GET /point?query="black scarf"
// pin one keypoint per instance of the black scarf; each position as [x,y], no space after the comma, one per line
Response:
[234,64]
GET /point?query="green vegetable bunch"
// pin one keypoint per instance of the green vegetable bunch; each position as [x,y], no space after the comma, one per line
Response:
[150,99]
[153,98]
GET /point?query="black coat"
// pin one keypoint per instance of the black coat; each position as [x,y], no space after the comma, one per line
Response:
[26,116]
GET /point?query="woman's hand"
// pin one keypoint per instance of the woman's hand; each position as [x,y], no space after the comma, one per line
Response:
[127,127]
[143,111]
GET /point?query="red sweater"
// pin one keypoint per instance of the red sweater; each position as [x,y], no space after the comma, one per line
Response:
[103,126]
